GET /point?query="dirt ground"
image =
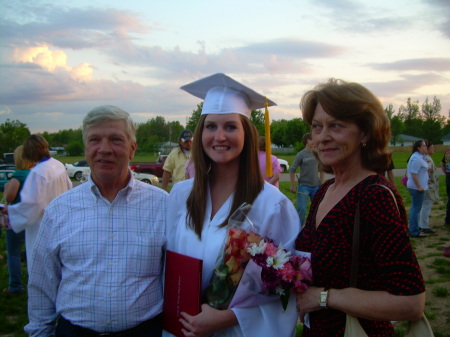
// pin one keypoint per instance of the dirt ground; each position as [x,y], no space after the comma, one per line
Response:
[427,251]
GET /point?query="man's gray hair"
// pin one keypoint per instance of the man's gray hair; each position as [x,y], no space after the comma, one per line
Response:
[105,113]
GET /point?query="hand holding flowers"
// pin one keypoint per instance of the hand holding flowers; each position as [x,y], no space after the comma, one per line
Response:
[282,272]
[251,270]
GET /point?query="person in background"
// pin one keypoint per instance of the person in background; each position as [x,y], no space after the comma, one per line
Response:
[15,241]
[189,169]
[276,168]
[417,173]
[432,194]
[176,160]
[309,180]
[445,166]
[227,175]
[98,262]
[390,173]
[350,132]
[46,181]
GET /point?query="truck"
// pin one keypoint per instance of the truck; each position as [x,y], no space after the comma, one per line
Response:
[152,168]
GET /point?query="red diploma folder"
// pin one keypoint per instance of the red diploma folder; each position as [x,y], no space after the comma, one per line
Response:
[182,290]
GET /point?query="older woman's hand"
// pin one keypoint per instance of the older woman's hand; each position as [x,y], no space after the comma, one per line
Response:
[308,301]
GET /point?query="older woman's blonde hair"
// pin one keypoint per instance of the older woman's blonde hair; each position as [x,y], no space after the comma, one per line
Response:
[352,102]
[21,162]
[249,181]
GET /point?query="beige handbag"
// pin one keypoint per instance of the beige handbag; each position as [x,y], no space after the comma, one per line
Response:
[420,328]
[353,328]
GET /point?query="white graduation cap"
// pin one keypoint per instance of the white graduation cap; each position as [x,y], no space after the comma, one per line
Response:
[223,95]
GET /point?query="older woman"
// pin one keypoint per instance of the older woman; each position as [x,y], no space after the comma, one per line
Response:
[350,132]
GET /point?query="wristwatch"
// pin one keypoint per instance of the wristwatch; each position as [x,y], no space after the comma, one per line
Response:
[323,298]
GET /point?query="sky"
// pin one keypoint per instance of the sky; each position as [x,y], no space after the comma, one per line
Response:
[60,59]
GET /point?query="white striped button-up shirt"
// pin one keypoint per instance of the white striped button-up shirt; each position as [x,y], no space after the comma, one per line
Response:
[97,263]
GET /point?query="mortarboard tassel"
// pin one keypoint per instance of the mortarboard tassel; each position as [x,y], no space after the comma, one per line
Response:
[269,171]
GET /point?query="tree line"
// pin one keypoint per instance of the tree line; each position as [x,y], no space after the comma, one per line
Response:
[422,121]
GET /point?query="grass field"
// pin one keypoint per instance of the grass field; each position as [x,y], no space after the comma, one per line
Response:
[435,268]
[400,156]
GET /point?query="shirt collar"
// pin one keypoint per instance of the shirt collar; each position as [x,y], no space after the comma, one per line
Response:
[125,191]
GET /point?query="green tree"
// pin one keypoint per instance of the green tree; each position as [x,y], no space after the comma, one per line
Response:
[411,117]
[175,129]
[12,134]
[151,134]
[257,118]
[389,111]
[75,148]
[433,110]
[295,129]
[396,129]
[446,129]
[277,132]
[432,131]
[410,111]
[195,117]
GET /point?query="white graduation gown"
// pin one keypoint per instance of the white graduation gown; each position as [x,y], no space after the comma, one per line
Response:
[277,218]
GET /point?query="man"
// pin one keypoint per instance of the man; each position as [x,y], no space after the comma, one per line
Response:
[445,166]
[309,181]
[98,261]
[176,160]
[46,180]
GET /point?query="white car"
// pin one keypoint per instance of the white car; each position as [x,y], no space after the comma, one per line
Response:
[284,165]
[78,169]
[147,178]
[144,177]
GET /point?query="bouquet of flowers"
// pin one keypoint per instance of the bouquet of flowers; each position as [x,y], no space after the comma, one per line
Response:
[232,259]
[282,272]
[251,271]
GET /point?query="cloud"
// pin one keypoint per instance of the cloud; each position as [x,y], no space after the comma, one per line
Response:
[5,110]
[74,28]
[295,48]
[440,10]
[407,85]
[423,64]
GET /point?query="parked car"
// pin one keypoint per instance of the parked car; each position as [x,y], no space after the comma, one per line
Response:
[76,170]
[147,178]
[151,168]
[284,165]
[5,176]
[7,167]
[144,177]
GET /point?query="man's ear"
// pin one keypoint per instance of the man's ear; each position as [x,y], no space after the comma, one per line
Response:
[133,150]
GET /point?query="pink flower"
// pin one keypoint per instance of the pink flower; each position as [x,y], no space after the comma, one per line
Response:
[287,272]
[271,249]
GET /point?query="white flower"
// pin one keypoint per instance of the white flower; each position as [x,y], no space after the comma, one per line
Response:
[280,291]
[279,259]
[257,248]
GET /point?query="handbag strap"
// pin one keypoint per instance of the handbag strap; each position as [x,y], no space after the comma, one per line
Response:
[356,235]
